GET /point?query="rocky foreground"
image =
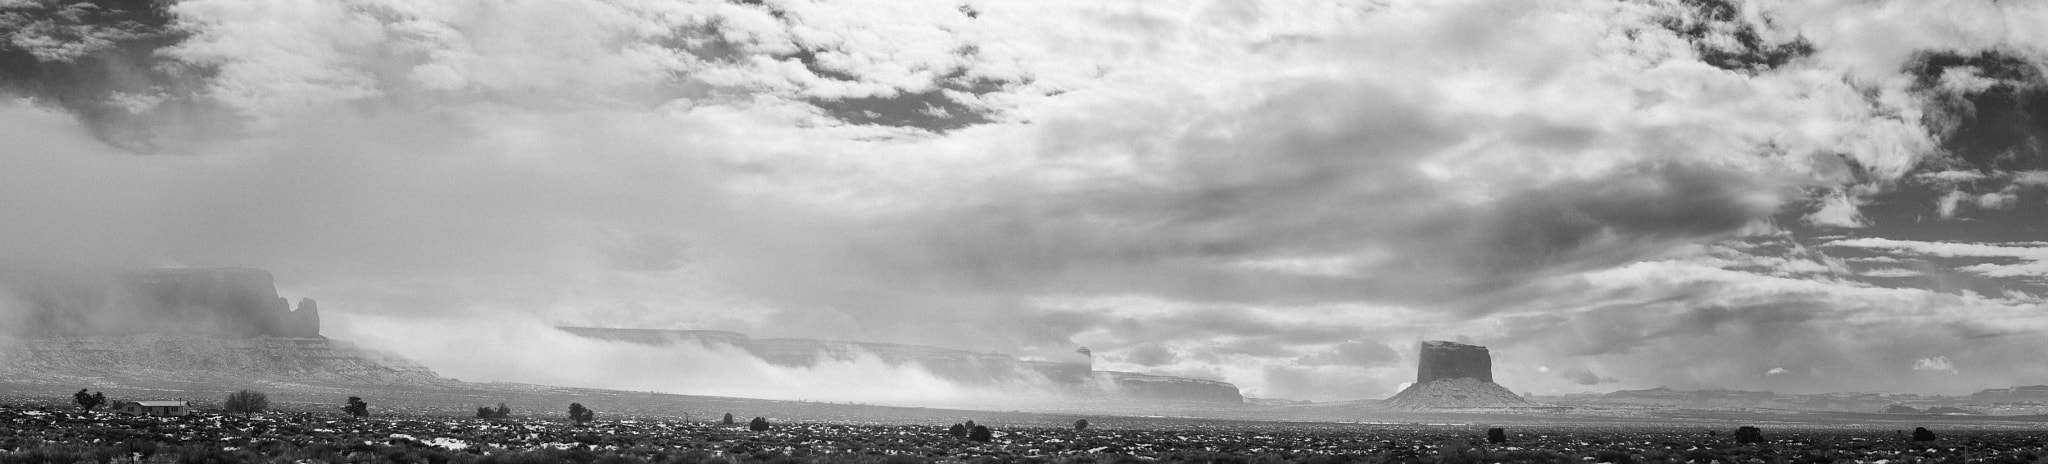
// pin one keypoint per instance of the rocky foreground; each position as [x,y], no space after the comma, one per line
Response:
[69,435]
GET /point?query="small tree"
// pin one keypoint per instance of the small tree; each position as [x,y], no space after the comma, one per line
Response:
[958,431]
[580,414]
[980,434]
[356,407]
[486,412]
[1922,434]
[246,402]
[1748,434]
[89,401]
[727,420]
[759,424]
[1081,424]
[1496,435]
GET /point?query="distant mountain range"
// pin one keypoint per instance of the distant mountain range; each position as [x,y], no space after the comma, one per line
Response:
[2025,400]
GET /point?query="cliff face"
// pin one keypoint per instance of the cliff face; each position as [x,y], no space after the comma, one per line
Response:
[235,303]
[956,365]
[1159,387]
[1448,360]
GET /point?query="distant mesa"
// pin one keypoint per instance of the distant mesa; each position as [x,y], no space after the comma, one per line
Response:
[2030,394]
[1074,371]
[1454,375]
[180,324]
[221,302]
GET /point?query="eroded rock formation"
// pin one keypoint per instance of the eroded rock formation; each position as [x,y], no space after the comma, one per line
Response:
[1454,375]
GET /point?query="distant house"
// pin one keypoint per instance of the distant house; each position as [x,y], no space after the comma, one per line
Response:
[153,408]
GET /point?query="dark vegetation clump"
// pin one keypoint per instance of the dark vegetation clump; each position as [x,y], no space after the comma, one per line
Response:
[1081,424]
[1496,435]
[980,434]
[246,402]
[1922,434]
[958,431]
[759,424]
[727,420]
[356,407]
[580,414]
[89,401]
[486,412]
[1747,434]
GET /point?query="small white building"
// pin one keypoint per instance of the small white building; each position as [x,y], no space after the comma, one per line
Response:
[154,408]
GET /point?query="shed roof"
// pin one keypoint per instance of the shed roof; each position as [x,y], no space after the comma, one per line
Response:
[158,403]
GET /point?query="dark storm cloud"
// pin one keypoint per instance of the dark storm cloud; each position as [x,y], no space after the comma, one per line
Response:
[1337,172]
[1991,106]
[100,61]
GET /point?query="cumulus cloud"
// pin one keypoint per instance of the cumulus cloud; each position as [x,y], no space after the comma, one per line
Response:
[1837,210]
[1935,364]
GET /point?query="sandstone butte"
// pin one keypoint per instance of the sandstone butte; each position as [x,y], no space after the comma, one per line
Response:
[1453,375]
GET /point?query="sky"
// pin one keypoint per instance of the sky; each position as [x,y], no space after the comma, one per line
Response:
[1797,196]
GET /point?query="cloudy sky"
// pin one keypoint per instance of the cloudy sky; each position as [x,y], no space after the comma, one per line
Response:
[1800,196]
